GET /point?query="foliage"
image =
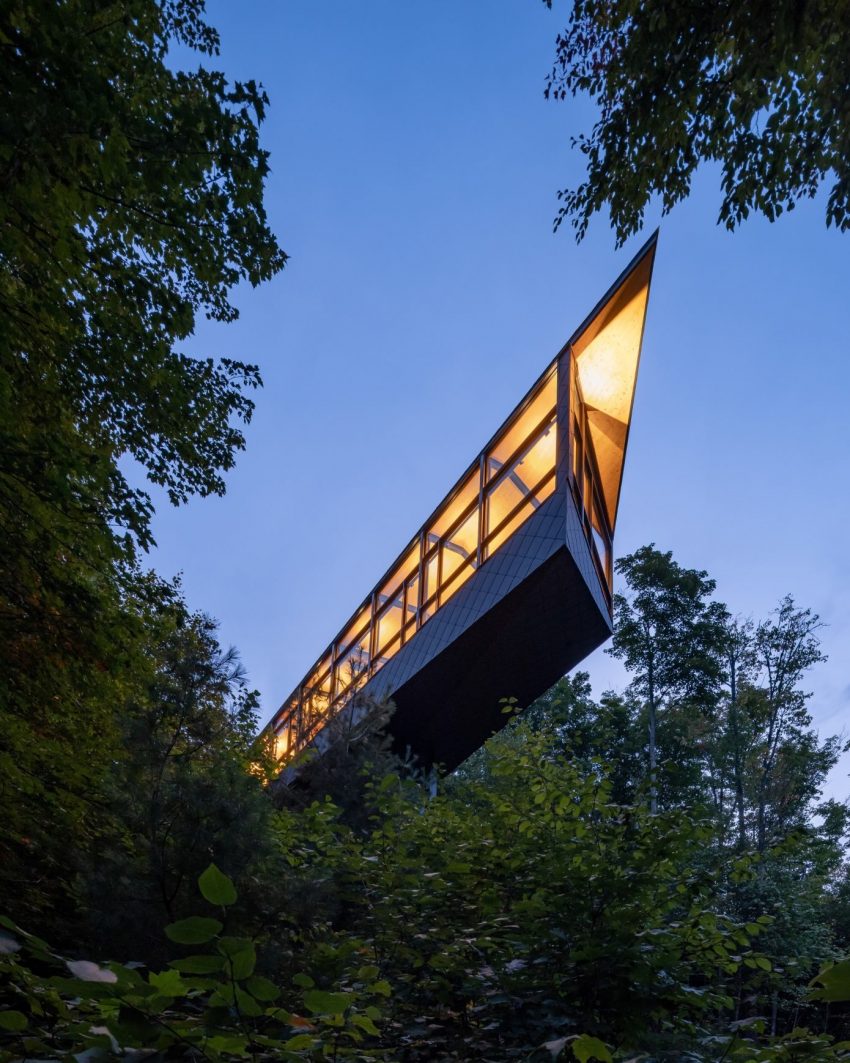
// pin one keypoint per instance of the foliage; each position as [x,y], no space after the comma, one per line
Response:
[163,785]
[554,923]
[210,1004]
[579,728]
[132,202]
[735,745]
[724,699]
[180,791]
[524,910]
[668,634]
[60,735]
[552,912]
[758,88]
[537,908]
[355,748]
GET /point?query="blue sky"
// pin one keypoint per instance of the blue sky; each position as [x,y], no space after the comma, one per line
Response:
[414,170]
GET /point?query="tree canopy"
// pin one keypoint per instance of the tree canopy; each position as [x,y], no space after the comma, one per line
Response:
[132,202]
[758,88]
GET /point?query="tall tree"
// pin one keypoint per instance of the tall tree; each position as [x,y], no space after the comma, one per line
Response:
[791,762]
[180,792]
[132,202]
[669,634]
[740,659]
[759,88]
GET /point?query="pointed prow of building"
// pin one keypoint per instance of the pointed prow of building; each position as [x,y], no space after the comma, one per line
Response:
[508,584]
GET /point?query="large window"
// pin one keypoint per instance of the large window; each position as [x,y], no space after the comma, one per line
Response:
[510,480]
[520,486]
[315,700]
[585,482]
[351,664]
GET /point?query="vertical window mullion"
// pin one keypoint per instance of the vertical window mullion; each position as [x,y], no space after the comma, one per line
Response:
[373,631]
[420,583]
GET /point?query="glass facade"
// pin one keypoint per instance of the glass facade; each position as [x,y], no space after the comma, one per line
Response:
[507,483]
[584,485]
[569,433]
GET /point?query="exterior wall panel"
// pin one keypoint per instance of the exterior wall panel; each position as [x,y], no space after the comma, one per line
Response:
[534,614]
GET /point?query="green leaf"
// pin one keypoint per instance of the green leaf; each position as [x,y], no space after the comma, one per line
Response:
[322,1003]
[223,997]
[835,981]
[383,988]
[14,1021]
[229,1043]
[134,1027]
[229,995]
[586,1047]
[247,1005]
[216,887]
[242,963]
[198,964]
[304,980]
[229,946]
[169,983]
[299,1041]
[262,988]
[196,930]
[365,1023]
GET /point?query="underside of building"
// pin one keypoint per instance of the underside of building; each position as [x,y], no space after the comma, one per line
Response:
[508,584]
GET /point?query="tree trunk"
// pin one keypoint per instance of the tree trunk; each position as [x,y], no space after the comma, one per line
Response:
[653,756]
[737,759]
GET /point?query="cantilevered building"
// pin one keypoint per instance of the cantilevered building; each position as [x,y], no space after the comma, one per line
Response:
[507,585]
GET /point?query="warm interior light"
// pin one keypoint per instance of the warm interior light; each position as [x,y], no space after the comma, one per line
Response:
[402,571]
[454,508]
[607,356]
[540,406]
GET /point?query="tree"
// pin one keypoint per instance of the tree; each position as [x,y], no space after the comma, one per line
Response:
[669,634]
[524,912]
[791,763]
[356,749]
[740,660]
[179,792]
[132,202]
[759,88]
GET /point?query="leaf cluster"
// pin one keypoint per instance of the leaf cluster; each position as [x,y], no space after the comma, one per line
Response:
[758,88]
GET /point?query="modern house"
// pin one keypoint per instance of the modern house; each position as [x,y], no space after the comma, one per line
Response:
[507,585]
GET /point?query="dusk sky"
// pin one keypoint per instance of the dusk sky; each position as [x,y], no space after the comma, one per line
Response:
[415,166]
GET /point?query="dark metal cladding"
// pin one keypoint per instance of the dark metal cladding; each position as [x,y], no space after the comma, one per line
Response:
[511,631]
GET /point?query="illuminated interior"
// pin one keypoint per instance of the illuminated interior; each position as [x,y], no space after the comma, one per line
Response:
[502,489]
[606,358]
